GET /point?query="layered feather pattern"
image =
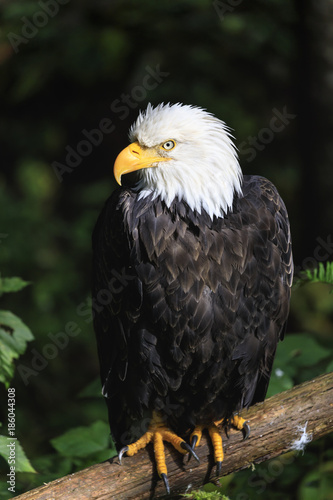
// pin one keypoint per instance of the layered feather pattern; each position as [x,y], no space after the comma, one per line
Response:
[192,324]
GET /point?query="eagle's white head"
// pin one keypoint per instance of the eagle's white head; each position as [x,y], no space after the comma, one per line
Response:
[185,152]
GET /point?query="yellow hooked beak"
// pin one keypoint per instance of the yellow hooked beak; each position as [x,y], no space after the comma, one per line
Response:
[134,158]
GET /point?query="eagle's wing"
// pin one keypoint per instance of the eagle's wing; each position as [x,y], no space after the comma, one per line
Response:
[267,279]
[109,279]
[116,304]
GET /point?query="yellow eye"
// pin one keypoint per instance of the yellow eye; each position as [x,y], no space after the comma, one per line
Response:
[168,145]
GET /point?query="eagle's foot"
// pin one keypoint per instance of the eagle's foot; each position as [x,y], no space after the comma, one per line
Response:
[216,439]
[241,424]
[133,448]
[157,433]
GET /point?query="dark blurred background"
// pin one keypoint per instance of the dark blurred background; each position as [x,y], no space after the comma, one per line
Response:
[71,67]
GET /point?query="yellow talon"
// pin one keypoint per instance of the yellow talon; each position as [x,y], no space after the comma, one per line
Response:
[139,444]
[159,454]
[172,438]
[197,434]
[216,439]
[158,432]
[238,422]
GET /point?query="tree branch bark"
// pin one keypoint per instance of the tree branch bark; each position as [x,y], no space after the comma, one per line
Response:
[275,425]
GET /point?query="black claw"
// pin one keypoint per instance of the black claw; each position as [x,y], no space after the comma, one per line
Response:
[166,483]
[188,448]
[227,432]
[193,444]
[218,468]
[194,441]
[246,431]
[121,453]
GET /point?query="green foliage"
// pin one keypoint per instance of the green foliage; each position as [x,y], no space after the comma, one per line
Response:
[298,357]
[321,274]
[12,285]
[318,483]
[14,334]
[92,390]
[204,495]
[22,464]
[84,441]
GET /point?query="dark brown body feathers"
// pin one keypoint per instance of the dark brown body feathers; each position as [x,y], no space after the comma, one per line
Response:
[194,307]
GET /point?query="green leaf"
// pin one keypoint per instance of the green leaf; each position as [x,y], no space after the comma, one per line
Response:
[14,335]
[3,490]
[92,390]
[48,464]
[318,483]
[329,367]
[297,353]
[14,284]
[15,452]
[321,274]
[204,495]
[279,382]
[82,441]
[299,350]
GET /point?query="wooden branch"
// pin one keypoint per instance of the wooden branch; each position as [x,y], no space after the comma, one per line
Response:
[275,425]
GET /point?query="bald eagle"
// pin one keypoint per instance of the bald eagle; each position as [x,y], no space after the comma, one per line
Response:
[194,264]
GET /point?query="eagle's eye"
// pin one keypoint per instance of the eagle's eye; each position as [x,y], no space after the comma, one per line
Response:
[168,145]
